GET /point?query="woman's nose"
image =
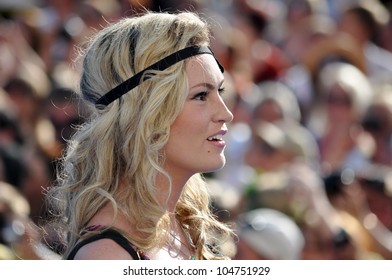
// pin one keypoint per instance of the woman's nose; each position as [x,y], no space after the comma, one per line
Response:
[223,114]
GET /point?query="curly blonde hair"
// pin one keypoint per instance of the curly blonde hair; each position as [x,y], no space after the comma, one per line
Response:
[122,144]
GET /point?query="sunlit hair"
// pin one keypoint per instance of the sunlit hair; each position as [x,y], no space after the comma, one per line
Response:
[122,144]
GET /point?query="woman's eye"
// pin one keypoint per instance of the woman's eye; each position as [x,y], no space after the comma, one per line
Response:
[221,90]
[201,96]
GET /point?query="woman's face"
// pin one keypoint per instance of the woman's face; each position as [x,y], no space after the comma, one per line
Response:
[195,143]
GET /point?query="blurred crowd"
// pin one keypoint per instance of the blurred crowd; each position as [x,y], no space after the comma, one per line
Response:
[309,152]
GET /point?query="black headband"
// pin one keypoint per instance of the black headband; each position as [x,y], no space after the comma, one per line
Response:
[161,65]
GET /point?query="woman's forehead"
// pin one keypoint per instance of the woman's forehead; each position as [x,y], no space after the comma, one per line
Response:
[203,68]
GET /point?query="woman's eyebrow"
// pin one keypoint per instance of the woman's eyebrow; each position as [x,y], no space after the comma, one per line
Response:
[207,85]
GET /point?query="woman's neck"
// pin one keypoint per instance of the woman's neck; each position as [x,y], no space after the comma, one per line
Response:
[169,194]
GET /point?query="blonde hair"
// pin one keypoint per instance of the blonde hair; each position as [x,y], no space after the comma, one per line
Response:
[123,143]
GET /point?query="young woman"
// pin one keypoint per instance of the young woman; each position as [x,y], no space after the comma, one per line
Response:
[130,184]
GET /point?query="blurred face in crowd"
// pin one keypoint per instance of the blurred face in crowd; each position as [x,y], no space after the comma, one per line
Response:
[268,111]
[339,105]
[298,10]
[350,24]
[262,156]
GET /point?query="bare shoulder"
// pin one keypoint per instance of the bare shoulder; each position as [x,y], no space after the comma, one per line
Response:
[103,249]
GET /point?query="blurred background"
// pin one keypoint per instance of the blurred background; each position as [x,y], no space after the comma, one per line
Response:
[309,151]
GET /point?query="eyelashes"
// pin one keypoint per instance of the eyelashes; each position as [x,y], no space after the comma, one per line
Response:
[204,94]
[221,90]
[200,96]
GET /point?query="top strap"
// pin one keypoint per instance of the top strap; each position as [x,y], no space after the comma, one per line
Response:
[109,234]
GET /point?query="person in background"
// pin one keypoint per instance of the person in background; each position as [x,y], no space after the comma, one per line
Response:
[268,234]
[19,237]
[298,191]
[346,94]
[358,196]
[364,21]
[377,121]
[276,145]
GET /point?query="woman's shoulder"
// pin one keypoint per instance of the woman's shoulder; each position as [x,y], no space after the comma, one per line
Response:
[102,249]
[100,242]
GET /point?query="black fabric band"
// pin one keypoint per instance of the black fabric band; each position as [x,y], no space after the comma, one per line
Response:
[107,234]
[161,65]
